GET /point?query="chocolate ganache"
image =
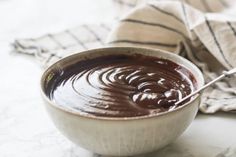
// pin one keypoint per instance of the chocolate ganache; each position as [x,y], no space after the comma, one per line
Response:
[120,85]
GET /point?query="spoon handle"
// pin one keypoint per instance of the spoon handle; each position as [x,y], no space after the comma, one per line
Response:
[224,74]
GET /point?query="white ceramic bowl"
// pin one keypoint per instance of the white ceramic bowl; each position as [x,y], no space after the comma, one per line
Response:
[122,136]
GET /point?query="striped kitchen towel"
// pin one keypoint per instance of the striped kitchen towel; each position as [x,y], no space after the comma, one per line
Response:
[203,31]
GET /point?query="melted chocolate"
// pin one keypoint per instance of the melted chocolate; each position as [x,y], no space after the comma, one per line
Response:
[120,86]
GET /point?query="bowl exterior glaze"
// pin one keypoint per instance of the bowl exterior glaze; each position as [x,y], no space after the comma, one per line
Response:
[122,136]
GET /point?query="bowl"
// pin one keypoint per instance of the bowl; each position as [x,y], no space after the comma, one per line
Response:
[124,136]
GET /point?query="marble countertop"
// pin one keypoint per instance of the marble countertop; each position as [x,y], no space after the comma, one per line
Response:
[25,128]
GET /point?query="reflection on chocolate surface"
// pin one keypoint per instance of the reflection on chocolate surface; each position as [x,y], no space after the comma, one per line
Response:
[120,86]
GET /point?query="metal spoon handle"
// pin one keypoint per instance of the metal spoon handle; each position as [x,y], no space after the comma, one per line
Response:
[225,74]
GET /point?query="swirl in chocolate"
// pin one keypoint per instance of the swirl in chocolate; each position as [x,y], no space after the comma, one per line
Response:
[121,86]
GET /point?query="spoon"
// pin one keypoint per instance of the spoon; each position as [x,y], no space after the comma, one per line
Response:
[223,75]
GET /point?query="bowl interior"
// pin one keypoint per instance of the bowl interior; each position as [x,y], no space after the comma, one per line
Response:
[61,65]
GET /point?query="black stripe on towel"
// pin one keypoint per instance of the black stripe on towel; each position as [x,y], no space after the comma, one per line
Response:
[230,98]
[232,28]
[155,24]
[105,27]
[122,2]
[143,43]
[93,33]
[165,12]
[216,41]
[51,56]
[172,15]
[17,43]
[73,36]
[56,41]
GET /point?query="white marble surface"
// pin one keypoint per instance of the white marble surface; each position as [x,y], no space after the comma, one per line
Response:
[25,128]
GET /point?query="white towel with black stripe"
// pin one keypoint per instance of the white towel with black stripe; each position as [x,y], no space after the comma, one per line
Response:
[203,31]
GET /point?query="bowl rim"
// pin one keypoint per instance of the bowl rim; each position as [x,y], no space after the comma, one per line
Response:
[89,116]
